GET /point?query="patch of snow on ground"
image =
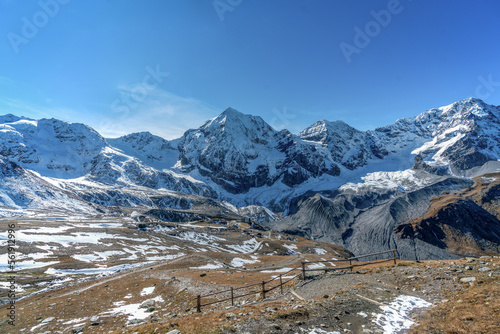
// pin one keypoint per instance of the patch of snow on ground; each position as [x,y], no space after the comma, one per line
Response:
[395,316]
[320,251]
[134,311]
[316,266]
[107,254]
[292,249]
[489,179]
[75,321]
[282,270]
[6,285]
[239,262]
[320,331]
[86,257]
[158,299]
[165,257]
[248,246]
[209,266]
[147,291]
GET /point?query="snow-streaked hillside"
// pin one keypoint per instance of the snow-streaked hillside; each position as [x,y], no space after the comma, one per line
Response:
[49,146]
[350,147]
[153,150]
[462,135]
[21,189]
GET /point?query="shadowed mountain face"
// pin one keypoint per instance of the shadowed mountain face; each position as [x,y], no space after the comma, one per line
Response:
[463,224]
[330,181]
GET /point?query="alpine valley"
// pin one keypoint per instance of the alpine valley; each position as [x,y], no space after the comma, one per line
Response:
[427,186]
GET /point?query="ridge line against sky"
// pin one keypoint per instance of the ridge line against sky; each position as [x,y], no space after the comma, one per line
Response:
[167,66]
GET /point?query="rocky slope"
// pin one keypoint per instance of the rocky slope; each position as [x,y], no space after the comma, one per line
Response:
[21,188]
[363,218]
[464,224]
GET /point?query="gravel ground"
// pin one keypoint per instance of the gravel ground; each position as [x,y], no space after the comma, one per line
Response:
[349,302]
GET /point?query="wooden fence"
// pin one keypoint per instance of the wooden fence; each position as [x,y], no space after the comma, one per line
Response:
[279,281]
[351,265]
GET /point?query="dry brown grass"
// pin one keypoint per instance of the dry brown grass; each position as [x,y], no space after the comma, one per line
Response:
[475,192]
[476,310]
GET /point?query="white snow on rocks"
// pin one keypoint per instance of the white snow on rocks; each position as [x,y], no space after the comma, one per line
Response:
[134,311]
[395,316]
[239,262]
[320,331]
[216,265]
[147,291]
[320,251]
[248,246]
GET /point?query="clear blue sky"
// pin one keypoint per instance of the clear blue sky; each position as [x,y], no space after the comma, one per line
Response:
[91,61]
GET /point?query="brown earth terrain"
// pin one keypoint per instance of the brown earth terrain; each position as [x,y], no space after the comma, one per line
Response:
[464,295]
[198,259]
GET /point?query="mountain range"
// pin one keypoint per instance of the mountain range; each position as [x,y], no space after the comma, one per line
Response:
[330,181]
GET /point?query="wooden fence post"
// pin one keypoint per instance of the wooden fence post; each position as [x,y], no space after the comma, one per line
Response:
[304,271]
[198,304]
[263,289]
[350,263]
[232,297]
[281,284]
[394,256]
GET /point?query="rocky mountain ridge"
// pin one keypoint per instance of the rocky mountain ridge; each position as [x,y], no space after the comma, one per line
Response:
[323,181]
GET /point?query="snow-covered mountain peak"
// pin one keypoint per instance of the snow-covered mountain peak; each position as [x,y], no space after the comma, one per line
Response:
[235,125]
[10,118]
[156,151]
[323,130]
[231,112]
[49,146]
[464,134]
[467,109]
[142,139]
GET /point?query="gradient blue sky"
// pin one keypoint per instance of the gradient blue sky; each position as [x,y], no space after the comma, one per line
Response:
[279,59]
